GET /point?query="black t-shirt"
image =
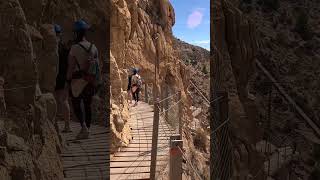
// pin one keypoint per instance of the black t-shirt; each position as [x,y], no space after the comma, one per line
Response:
[63,52]
[129,82]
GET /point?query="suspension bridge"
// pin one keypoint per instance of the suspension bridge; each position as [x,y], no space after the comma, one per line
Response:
[136,160]
[88,158]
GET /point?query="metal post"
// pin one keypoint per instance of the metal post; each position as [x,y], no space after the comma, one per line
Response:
[156,116]
[269,126]
[146,92]
[278,158]
[176,143]
[180,114]
[154,141]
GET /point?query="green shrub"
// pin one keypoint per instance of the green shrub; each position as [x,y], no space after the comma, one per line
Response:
[200,140]
[247,1]
[316,153]
[302,25]
[270,4]
[315,174]
[204,69]
[194,62]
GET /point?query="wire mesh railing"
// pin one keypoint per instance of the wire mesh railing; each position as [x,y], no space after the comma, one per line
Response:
[168,126]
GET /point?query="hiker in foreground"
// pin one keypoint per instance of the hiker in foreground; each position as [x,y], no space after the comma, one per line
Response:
[136,83]
[61,89]
[129,87]
[83,76]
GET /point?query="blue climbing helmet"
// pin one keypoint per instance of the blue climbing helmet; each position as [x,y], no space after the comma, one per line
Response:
[80,25]
[135,70]
[57,28]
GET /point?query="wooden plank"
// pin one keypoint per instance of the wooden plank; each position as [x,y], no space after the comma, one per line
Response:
[133,162]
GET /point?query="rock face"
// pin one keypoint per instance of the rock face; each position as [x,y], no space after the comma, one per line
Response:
[29,141]
[287,34]
[289,50]
[197,61]
[141,34]
[235,50]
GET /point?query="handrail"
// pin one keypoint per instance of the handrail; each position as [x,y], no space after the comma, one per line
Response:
[289,99]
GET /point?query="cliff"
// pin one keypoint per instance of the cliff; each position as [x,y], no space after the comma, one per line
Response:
[234,51]
[29,140]
[289,38]
[282,36]
[141,33]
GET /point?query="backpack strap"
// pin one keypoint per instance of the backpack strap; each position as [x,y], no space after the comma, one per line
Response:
[77,64]
[87,50]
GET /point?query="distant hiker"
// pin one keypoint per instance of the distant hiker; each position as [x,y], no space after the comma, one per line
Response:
[83,75]
[61,89]
[136,84]
[129,87]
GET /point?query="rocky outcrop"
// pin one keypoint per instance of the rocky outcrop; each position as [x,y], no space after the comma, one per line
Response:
[141,34]
[29,142]
[30,146]
[289,51]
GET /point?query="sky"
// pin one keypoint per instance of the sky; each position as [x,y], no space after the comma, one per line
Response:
[192,21]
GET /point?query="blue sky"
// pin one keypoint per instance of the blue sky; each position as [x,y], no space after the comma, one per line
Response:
[192,21]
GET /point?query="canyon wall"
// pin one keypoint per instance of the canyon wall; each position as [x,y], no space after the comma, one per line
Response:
[141,34]
[29,140]
[234,51]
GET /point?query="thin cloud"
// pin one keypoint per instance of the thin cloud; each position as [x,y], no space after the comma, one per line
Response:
[202,42]
[195,18]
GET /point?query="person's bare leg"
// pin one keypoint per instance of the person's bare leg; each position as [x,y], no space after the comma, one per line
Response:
[66,114]
[66,109]
[129,97]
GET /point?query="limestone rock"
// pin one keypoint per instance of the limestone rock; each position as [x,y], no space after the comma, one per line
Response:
[13,143]
[118,122]
[17,65]
[141,34]
[28,47]
[48,64]
[237,46]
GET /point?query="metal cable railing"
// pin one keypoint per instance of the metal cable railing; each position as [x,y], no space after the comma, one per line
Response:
[167,114]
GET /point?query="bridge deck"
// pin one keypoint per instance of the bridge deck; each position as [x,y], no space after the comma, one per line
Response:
[133,162]
[86,159]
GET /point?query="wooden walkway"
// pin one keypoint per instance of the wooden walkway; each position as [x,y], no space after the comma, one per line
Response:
[86,159]
[133,162]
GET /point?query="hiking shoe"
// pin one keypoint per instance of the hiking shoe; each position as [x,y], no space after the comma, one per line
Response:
[83,134]
[135,104]
[66,130]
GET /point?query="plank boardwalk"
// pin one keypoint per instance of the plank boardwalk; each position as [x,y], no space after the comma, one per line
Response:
[86,159]
[133,162]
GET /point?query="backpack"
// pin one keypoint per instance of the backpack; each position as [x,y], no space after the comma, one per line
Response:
[139,82]
[91,71]
[136,80]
